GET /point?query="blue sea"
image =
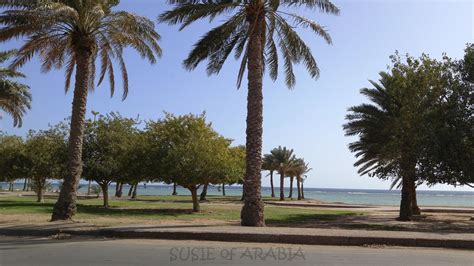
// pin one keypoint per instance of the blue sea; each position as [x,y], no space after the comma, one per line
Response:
[350,196]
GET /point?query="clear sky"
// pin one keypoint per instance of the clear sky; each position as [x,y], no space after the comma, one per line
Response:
[309,118]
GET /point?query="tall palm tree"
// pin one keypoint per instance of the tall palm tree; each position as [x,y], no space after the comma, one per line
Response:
[285,160]
[15,98]
[250,31]
[268,164]
[73,34]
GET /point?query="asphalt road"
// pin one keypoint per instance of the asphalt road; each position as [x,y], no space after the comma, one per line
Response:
[81,251]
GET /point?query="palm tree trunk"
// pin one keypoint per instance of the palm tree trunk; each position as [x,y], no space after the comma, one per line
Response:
[302,190]
[414,203]
[196,207]
[204,192]
[89,187]
[174,189]
[66,207]
[252,211]
[223,189]
[408,172]
[298,185]
[282,186]
[130,190]
[271,184]
[291,187]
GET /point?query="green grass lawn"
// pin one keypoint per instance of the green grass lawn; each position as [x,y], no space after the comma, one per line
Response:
[161,208]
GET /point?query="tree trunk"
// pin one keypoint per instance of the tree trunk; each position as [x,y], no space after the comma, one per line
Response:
[252,211]
[414,203]
[243,193]
[271,184]
[11,188]
[105,193]
[89,186]
[118,189]
[282,186]
[223,189]
[174,190]
[25,185]
[298,185]
[39,194]
[408,172]
[130,190]
[302,190]
[204,192]
[291,187]
[196,207]
[134,193]
[66,207]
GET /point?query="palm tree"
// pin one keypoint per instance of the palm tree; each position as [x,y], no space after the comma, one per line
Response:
[74,34]
[250,31]
[268,164]
[15,98]
[285,160]
[300,169]
[380,151]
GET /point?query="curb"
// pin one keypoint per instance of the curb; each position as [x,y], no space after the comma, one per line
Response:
[253,238]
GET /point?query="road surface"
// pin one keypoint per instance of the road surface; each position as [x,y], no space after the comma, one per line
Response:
[83,251]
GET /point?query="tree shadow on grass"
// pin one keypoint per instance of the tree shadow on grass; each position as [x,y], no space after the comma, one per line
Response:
[27,206]
[304,218]
[114,211]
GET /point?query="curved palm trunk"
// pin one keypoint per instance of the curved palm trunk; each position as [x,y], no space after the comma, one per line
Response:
[252,211]
[291,187]
[298,185]
[65,207]
[271,184]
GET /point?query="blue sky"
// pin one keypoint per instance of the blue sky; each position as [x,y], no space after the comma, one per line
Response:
[309,118]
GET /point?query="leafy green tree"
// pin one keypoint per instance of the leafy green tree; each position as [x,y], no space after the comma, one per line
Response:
[47,155]
[13,160]
[393,130]
[450,146]
[235,167]
[73,34]
[106,143]
[251,31]
[186,150]
[15,98]
[285,160]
